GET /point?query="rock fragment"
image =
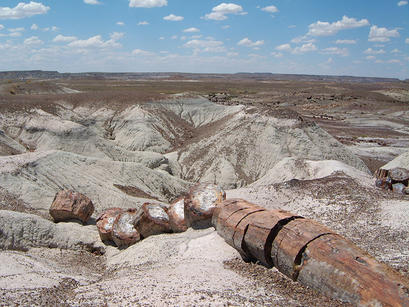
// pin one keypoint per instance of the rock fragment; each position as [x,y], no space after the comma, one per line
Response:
[176,215]
[105,222]
[153,220]
[68,205]
[200,204]
[398,188]
[124,233]
[399,174]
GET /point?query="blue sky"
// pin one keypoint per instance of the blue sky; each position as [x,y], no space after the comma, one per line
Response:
[349,37]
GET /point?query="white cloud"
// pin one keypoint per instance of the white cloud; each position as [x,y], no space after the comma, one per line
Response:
[381,34]
[303,39]
[407,41]
[371,57]
[120,23]
[395,51]
[345,42]
[13,32]
[20,29]
[143,23]
[402,3]
[277,54]
[1,27]
[117,36]
[207,45]
[142,52]
[23,10]
[249,43]
[191,30]
[372,51]
[292,26]
[335,50]
[31,41]
[219,12]
[34,27]
[148,3]
[92,2]
[97,42]
[173,17]
[270,9]
[393,61]
[64,39]
[323,28]
[226,27]
[174,37]
[284,47]
[309,47]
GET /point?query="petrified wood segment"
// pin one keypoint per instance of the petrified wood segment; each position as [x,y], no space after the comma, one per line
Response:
[153,220]
[338,268]
[105,222]
[262,228]
[69,205]
[176,215]
[291,240]
[124,233]
[200,204]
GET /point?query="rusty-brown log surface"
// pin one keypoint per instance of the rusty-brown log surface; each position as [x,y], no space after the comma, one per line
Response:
[309,253]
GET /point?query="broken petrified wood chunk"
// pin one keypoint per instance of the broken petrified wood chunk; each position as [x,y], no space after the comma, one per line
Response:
[124,233]
[154,220]
[399,175]
[384,183]
[200,203]
[291,241]
[338,268]
[105,222]
[176,215]
[68,205]
[381,173]
[398,188]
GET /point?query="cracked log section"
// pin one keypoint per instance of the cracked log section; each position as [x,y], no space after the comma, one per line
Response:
[309,253]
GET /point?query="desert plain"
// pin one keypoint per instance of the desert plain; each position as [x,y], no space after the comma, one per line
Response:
[307,144]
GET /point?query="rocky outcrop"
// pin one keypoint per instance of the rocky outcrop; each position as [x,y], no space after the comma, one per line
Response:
[21,231]
[68,205]
[200,203]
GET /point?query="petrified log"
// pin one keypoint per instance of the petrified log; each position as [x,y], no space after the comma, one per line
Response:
[310,253]
[200,203]
[153,220]
[68,205]
[124,233]
[105,222]
[176,215]
[338,268]
[381,173]
[261,229]
[291,240]
[227,219]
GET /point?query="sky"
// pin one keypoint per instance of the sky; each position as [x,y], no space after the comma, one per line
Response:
[330,37]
